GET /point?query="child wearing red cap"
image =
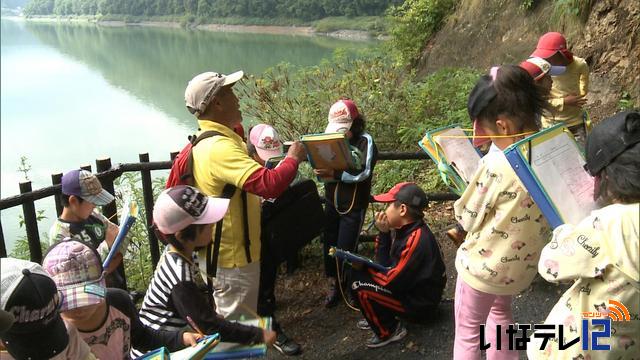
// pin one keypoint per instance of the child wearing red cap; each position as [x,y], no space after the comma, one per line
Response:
[569,89]
[412,286]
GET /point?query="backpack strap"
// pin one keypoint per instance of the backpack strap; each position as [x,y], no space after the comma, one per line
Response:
[187,176]
[245,224]
[213,250]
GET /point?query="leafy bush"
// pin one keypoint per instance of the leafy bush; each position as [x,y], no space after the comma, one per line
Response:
[398,107]
[414,22]
[137,262]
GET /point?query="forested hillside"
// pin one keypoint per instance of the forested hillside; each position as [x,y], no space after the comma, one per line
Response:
[299,9]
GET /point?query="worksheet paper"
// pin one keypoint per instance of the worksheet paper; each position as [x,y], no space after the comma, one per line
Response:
[559,167]
[459,152]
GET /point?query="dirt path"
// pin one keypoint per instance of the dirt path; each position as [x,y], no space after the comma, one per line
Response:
[332,333]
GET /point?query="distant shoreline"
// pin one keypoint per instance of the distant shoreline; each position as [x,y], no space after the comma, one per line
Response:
[354,35]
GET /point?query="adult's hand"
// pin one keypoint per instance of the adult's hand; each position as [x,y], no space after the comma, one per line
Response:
[297,151]
[575,100]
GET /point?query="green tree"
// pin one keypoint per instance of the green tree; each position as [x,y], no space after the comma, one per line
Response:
[414,22]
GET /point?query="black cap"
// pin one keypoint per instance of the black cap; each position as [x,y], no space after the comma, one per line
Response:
[610,138]
[481,96]
[32,298]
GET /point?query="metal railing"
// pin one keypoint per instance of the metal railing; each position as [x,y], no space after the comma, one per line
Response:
[108,173]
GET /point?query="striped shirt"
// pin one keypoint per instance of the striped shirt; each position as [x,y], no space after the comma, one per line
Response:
[157,309]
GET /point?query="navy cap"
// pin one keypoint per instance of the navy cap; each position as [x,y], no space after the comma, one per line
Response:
[610,138]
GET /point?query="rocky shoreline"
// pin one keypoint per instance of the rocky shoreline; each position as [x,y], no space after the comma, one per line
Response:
[353,35]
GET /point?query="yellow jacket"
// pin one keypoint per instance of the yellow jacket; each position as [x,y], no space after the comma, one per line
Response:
[574,81]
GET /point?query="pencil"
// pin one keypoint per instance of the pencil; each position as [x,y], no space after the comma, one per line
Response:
[194,326]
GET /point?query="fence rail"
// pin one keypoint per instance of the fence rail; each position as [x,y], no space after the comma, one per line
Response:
[108,173]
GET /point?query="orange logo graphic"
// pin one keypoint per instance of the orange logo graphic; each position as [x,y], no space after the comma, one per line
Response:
[617,312]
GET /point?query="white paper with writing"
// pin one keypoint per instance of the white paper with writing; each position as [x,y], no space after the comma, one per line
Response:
[559,167]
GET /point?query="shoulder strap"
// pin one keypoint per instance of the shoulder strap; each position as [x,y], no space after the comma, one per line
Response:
[213,250]
[245,225]
[207,134]
[187,176]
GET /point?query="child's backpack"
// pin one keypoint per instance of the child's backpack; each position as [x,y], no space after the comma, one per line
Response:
[182,168]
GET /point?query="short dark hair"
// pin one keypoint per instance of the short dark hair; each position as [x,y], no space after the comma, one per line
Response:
[358,126]
[188,234]
[413,212]
[64,199]
[517,96]
[620,179]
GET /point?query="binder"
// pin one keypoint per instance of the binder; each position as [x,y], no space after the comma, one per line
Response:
[328,151]
[198,352]
[129,216]
[238,351]
[349,256]
[550,165]
[463,152]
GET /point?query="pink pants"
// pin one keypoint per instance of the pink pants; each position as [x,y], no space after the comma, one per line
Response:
[472,308]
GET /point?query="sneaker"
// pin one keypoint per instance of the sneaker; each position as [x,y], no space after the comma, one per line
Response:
[363,325]
[399,334]
[286,345]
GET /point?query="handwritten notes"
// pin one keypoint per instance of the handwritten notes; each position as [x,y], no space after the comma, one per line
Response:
[459,152]
[559,167]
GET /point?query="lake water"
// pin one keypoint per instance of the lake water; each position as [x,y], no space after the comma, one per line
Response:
[73,93]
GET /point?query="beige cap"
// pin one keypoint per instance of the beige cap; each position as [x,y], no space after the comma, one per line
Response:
[202,88]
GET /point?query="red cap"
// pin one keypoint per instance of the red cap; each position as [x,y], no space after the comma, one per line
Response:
[407,193]
[549,44]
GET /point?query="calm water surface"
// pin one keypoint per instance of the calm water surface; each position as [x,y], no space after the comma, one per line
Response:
[73,93]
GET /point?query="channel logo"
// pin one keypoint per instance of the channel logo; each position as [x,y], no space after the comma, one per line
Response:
[616,311]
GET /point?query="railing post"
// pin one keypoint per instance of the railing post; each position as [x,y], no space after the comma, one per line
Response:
[87,167]
[110,210]
[147,192]
[3,247]
[31,224]
[55,180]
[173,155]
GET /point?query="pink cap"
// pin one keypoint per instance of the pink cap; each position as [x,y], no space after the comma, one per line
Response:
[341,116]
[182,205]
[266,140]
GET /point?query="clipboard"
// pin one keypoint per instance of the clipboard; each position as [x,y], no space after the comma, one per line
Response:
[451,175]
[328,151]
[226,350]
[198,352]
[349,256]
[550,164]
[129,216]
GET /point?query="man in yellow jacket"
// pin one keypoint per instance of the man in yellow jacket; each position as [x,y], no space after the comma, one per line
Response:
[569,89]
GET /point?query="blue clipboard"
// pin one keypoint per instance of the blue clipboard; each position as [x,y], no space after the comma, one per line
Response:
[519,155]
[351,257]
[130,214]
